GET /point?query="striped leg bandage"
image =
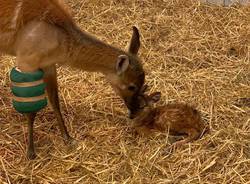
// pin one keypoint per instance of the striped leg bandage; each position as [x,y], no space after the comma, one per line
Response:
[28,91]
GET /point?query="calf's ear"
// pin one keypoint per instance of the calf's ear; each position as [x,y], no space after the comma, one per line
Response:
[155,97]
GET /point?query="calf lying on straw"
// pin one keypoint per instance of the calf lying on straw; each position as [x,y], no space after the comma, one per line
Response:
[177,119]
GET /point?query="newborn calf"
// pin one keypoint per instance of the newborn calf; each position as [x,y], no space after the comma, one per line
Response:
[177,119]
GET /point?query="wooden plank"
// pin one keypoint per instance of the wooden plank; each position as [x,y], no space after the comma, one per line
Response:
[227,2]
[247,2]
[218,2]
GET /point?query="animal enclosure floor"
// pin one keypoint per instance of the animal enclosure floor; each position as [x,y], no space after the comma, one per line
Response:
[192,52]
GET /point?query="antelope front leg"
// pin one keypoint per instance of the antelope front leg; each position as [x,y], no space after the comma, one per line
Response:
[31,150]
[50,78]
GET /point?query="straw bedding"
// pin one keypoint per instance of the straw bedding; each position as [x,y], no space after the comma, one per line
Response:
[193,53]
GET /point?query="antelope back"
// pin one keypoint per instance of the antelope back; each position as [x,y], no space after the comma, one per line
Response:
[16,13]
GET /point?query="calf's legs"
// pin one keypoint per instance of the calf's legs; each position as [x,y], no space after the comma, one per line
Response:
[193,134]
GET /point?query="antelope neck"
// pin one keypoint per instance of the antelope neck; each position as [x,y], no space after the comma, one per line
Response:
[91,54]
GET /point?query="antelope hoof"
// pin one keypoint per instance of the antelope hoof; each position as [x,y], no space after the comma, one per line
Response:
[31,155]
[71,142]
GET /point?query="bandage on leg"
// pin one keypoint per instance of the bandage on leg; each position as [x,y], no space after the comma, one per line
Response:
[28,91]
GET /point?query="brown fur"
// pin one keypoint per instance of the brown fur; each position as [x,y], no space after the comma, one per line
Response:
[42,33]
[177,119]
[50,11]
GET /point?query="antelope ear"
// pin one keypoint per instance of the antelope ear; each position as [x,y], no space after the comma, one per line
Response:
[155,97]
[122,64]
[135,42]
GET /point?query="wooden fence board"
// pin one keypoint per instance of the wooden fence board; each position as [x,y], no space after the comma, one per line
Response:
[226,2]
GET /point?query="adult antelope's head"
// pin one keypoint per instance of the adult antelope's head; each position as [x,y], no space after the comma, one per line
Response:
[129,78]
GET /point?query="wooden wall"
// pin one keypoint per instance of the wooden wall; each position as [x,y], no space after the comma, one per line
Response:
[227,2]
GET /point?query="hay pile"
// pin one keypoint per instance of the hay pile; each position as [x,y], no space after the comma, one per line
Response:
[191,52]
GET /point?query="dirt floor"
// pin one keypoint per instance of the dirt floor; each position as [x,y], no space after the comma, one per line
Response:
[193,53]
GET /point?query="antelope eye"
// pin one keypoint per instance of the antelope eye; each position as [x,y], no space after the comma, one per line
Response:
[132,88]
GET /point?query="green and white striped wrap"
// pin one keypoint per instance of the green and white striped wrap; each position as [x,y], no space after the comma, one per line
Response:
[28,91]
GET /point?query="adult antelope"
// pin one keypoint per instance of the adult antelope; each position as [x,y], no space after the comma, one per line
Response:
[41,33]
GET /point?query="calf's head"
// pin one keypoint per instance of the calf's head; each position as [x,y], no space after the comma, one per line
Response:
[147,101]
